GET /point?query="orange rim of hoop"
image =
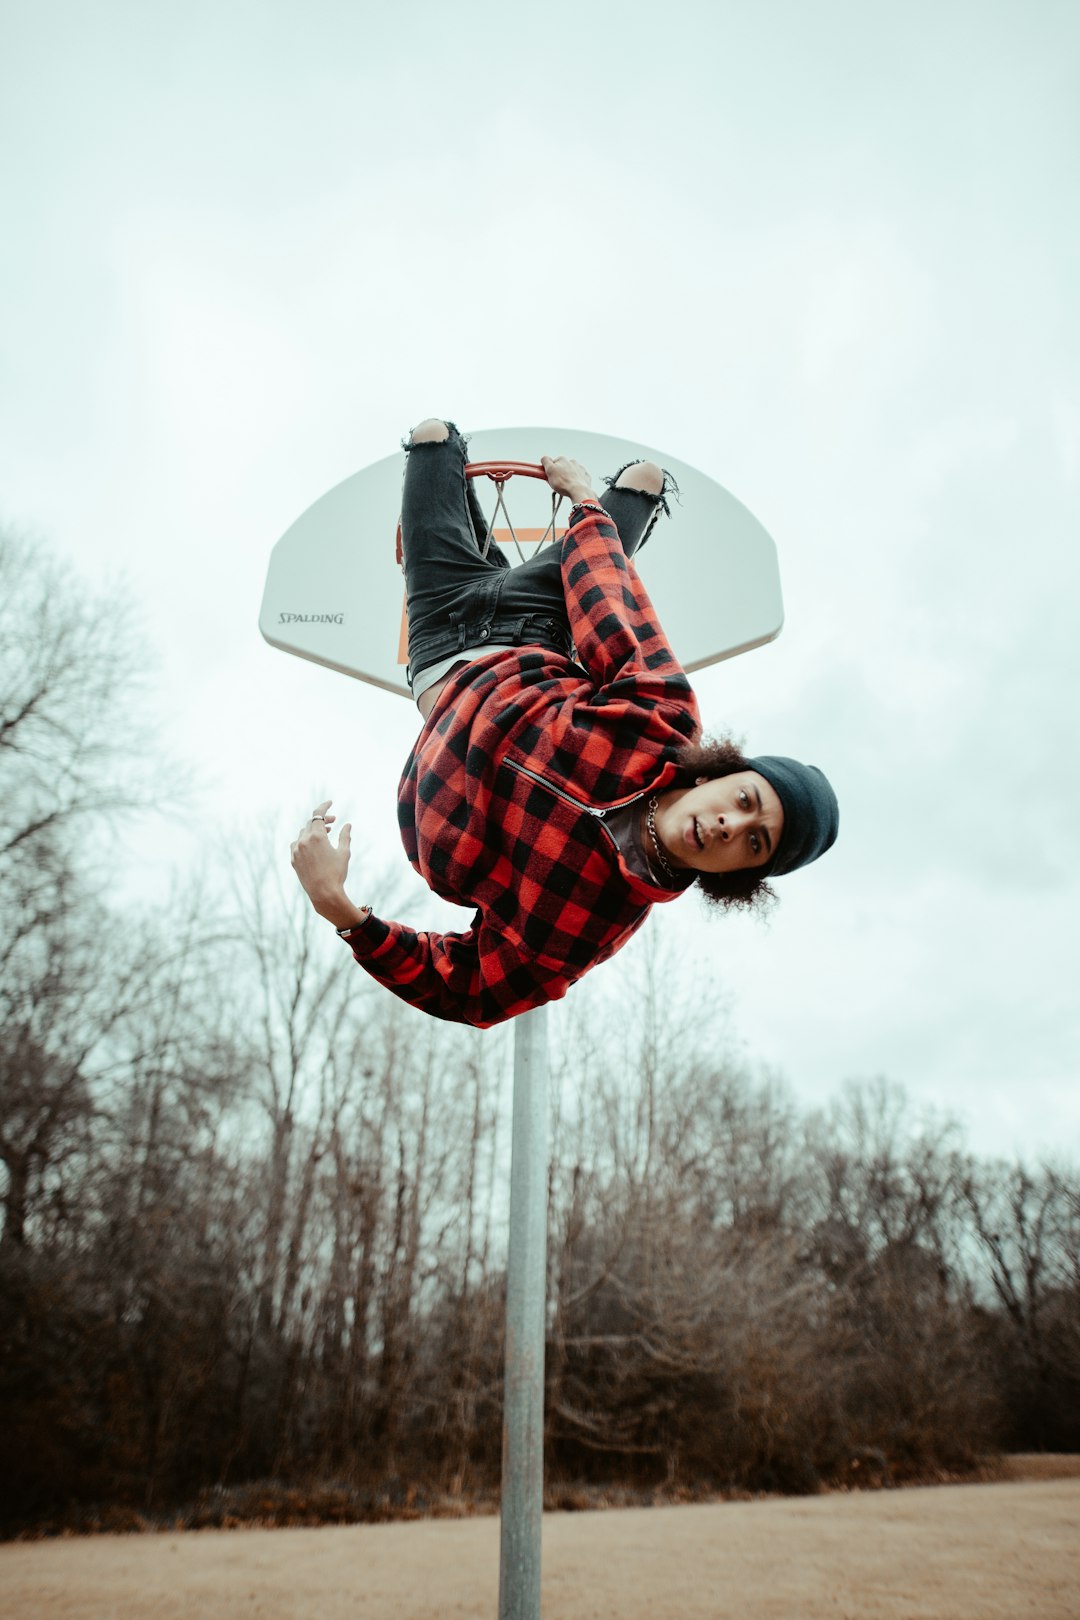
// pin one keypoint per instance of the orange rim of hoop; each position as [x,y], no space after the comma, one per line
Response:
[500,473]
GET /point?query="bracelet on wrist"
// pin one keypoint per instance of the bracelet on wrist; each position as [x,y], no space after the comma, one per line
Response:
[350,928]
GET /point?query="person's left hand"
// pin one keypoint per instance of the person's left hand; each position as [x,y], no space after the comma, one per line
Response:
[568,477]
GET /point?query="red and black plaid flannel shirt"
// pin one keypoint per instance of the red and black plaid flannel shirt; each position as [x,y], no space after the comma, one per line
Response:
[503,799]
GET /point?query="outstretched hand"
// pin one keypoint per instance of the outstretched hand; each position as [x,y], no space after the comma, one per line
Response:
[568,477]
[322,867]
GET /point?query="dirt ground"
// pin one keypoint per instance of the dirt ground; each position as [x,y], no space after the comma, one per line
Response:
[952,1552]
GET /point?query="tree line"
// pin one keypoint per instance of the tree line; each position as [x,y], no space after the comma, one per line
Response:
[254,1210]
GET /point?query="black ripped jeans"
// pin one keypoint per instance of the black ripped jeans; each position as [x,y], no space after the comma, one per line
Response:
[458,598]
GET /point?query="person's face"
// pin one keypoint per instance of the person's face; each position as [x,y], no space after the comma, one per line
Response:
[725,824]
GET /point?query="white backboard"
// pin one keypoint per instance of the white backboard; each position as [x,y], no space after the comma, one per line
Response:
[335,594]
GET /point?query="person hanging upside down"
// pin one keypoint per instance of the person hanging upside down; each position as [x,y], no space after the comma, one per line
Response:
[559,785]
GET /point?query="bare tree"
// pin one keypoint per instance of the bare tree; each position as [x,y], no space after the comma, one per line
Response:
[1025,1223]
[72,755]
[73,730]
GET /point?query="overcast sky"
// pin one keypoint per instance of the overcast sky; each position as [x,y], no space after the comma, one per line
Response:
[828,253]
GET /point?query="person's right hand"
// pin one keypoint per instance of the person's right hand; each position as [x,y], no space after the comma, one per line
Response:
[568,477]
[322,868]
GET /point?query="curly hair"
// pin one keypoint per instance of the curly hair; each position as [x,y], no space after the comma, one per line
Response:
[747,890]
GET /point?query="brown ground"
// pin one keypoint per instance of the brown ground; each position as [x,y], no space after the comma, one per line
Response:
[954,1552]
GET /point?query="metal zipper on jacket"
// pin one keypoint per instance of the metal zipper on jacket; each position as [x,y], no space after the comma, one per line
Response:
[560,793]
[568,798]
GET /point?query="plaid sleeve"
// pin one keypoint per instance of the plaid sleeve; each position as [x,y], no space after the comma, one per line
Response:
[618,637]
[478,977]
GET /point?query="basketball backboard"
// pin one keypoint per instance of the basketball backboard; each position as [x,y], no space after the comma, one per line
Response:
[335,594]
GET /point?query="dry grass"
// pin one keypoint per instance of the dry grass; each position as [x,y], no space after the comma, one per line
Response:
[965,1552]
[1041,1465]
[270,1504]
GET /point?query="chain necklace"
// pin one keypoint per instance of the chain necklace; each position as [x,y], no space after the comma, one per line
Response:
[650,822]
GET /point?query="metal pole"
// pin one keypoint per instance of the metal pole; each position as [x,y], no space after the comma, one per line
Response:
[526,1295]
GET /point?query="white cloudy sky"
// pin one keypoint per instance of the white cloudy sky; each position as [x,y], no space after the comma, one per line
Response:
[826,252]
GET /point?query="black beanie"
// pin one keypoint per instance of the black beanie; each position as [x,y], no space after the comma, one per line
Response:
[811,813]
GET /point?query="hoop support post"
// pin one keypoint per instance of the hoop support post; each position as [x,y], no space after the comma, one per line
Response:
[526,1301]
